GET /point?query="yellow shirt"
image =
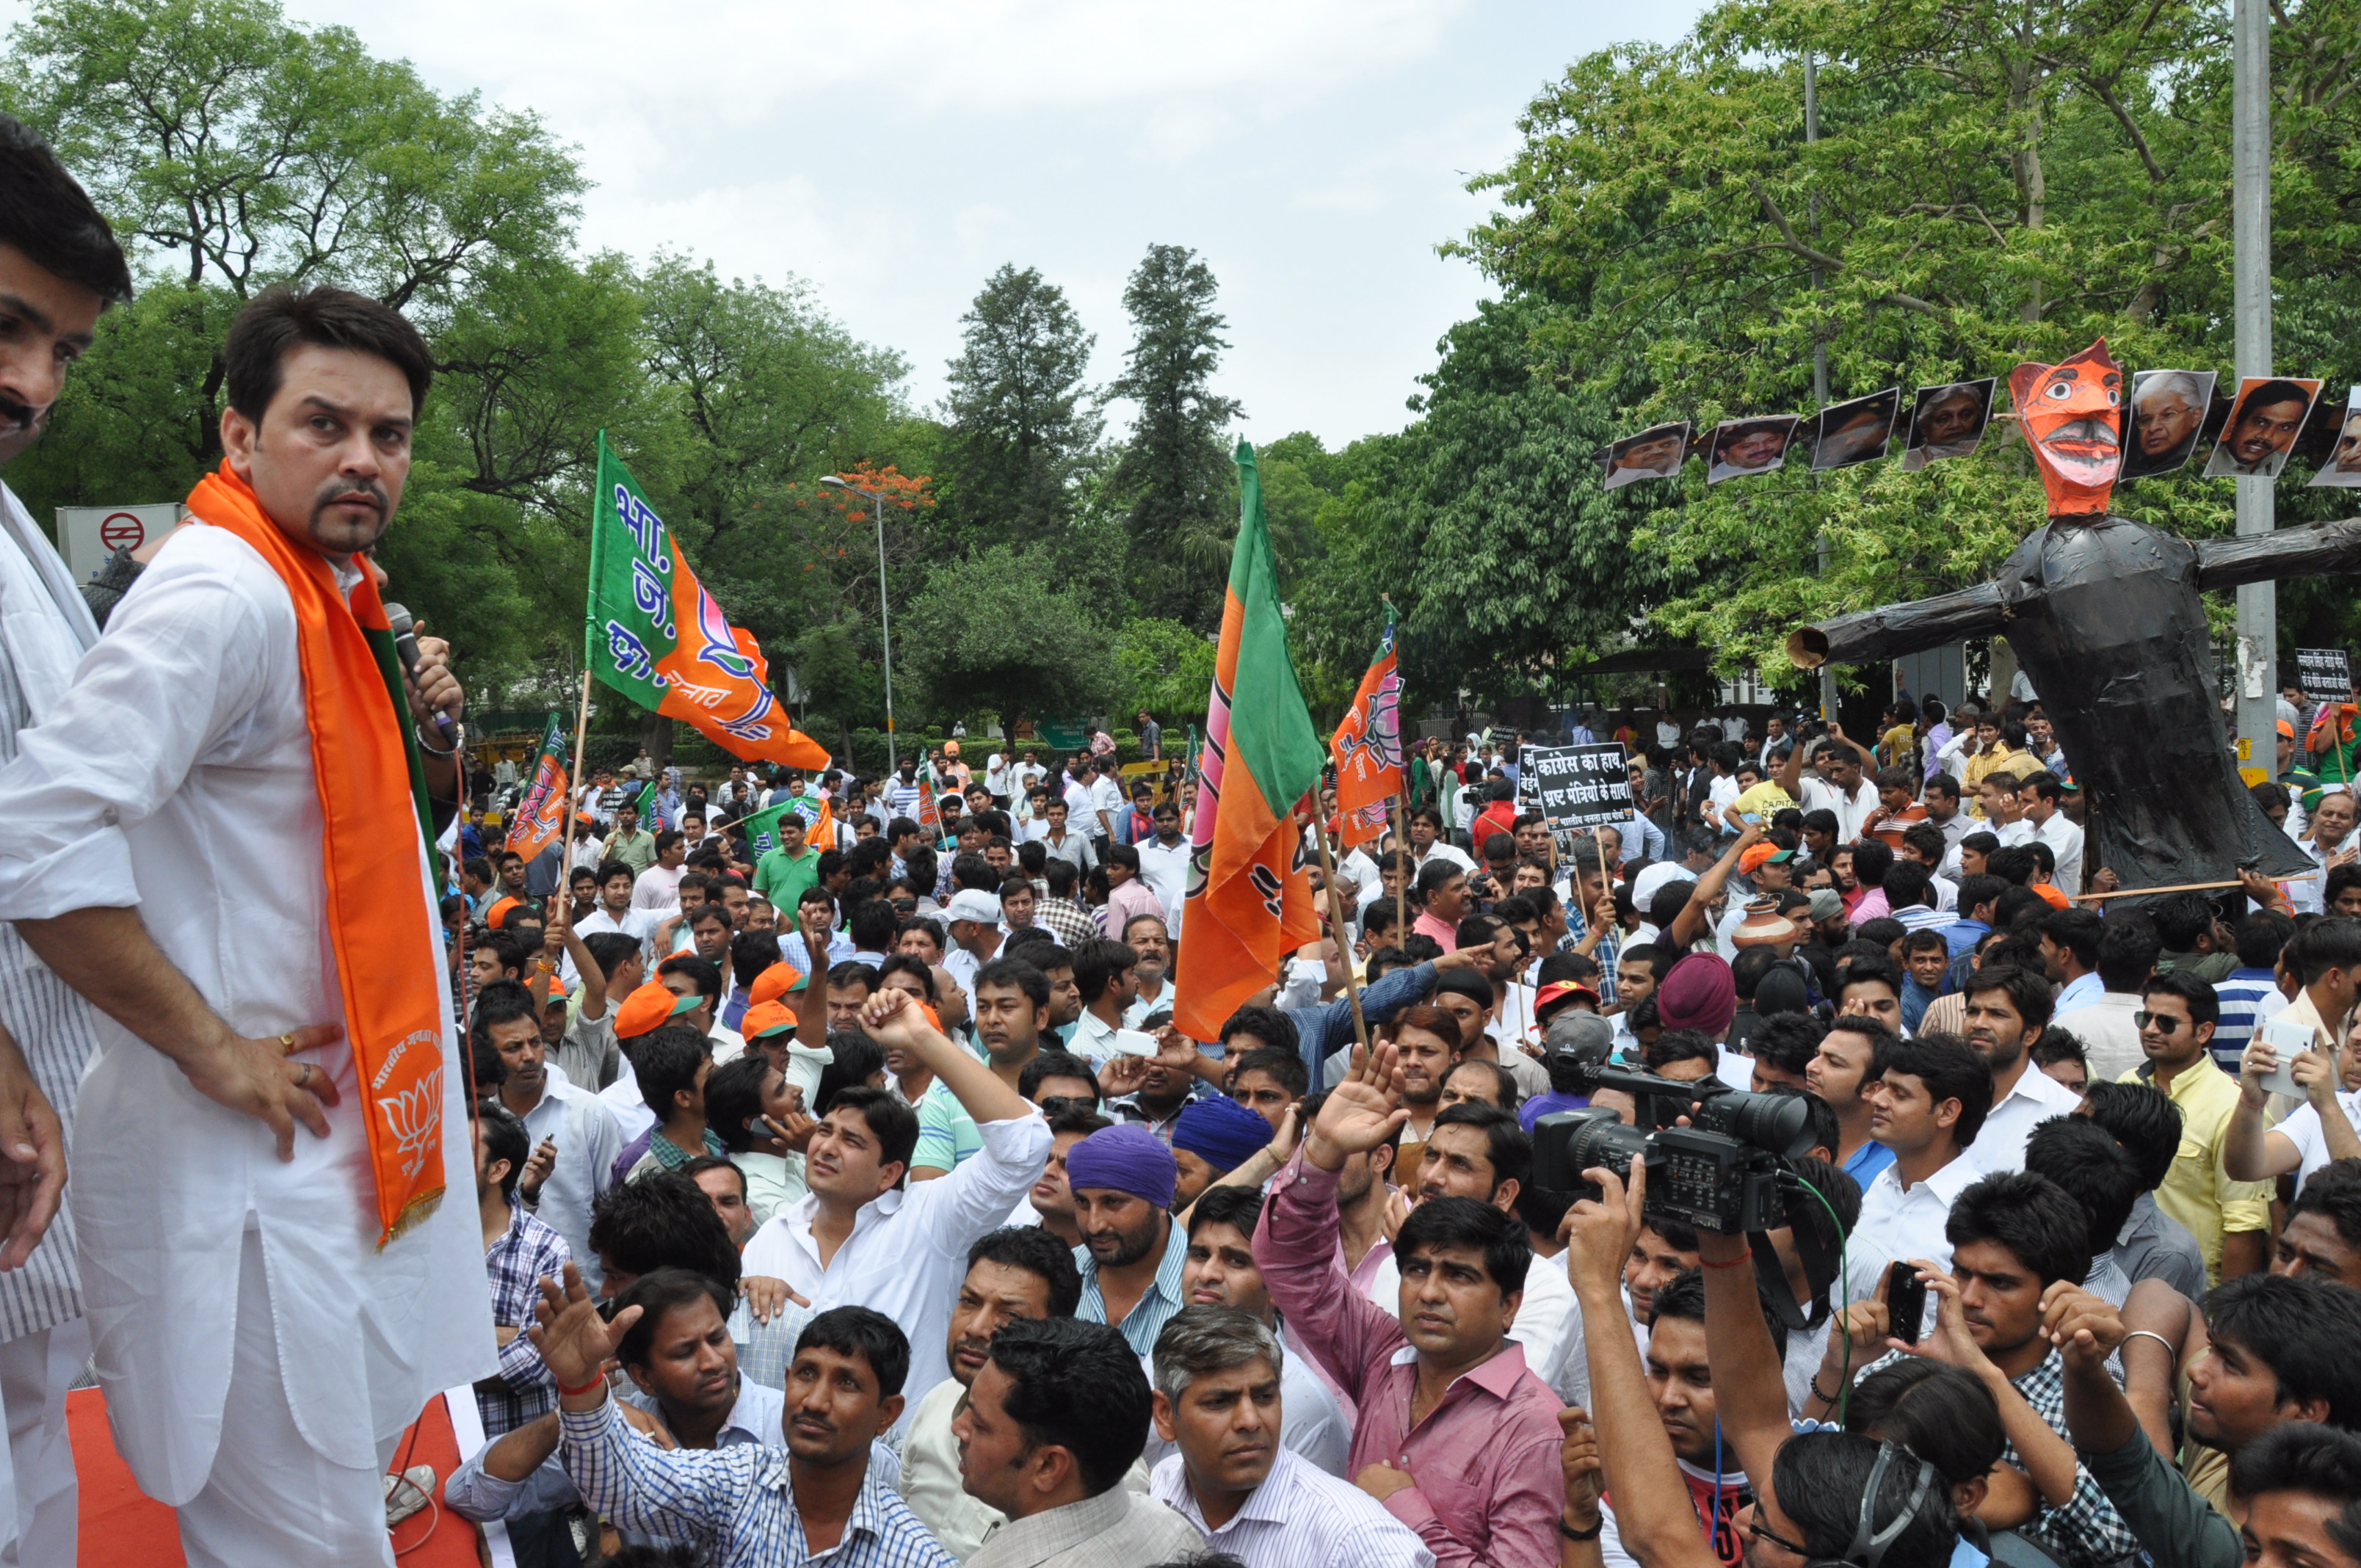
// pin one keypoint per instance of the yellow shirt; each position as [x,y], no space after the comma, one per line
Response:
[2195,1190]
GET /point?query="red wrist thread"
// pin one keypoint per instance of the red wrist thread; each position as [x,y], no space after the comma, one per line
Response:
[597,1382]
[1740,1261]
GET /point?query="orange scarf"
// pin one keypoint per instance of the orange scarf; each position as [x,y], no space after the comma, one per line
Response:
[369,782]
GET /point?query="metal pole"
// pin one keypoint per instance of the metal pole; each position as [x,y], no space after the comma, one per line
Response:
[1819,348]
[885,636]
[2250,205]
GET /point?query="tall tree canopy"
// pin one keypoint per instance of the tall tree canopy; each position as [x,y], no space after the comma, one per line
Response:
[1021,421]
[1174,480]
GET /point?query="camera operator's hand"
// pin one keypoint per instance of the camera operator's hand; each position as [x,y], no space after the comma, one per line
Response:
[2083,1326]
[1361,1112]
[1598,1232]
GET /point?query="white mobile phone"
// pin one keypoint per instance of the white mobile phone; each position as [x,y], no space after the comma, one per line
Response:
[1132,1043]
[2287,1040]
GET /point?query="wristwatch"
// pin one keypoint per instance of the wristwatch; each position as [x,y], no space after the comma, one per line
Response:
[1571,1533]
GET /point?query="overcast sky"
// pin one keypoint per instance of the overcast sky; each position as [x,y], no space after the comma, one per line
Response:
[895,152]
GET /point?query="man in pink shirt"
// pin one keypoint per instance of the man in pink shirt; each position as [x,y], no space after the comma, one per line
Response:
[1442,887]
[1128,897]
[1456,1437]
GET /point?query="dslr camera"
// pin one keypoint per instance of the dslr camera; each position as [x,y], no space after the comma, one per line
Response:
[1724,1172]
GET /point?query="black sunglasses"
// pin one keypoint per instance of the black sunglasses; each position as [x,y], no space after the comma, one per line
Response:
[2162,1023]
[1054,1104]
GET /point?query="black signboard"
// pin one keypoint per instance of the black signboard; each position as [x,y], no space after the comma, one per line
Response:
[2326,674]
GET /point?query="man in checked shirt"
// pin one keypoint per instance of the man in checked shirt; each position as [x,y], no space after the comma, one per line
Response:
[519,1249]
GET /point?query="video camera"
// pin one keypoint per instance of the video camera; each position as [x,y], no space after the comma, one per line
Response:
[1724,1172]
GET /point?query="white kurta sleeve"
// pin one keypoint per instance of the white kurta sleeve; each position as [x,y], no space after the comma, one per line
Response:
[173,674]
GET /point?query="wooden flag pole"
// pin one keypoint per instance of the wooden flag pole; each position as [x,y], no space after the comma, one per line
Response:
[1336,933]
[573,783]
[1402,866]
[2181,887]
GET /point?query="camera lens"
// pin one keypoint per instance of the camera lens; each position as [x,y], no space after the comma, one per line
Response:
[1775,1123]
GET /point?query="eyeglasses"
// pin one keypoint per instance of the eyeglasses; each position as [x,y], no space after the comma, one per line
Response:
[1054,1104]
[1756,1529]
[2162,1023]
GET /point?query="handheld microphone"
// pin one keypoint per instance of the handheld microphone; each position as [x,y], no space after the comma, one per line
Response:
[405,644]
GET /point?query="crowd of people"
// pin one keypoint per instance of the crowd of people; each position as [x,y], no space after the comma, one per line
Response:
[856,1200]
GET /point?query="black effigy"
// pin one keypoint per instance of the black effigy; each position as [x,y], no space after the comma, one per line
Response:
[2103,614]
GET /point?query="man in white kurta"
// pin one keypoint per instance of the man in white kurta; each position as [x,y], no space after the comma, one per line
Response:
[261,1354]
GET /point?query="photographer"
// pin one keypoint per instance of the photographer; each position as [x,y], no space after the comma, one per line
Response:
[1833,1496]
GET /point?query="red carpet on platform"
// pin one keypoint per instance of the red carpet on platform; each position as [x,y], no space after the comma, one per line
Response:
[123,1527]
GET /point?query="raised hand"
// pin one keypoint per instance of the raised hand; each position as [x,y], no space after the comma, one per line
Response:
[1361,1112]
[890,1020]
[537,1167]
[1123,1074]
[2083,1326]
[574,1342]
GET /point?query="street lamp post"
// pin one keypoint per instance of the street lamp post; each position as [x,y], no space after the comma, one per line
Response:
[885,622]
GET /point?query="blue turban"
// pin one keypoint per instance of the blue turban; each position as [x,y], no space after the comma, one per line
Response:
[1126,1159]
[1221,1132]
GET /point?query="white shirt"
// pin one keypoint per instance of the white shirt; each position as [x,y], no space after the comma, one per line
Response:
[1897,1225]
[1298,1517]
[587,1142]
[1441,850]
[1106,796]
[2110,1040]
[2303,1129]
[2012,834]
[1165,872]
[639,923]
[2065,842]
[658,887]
[2036,1097]
[1850,810]
[624,1102]
[175,776]
[908,1249]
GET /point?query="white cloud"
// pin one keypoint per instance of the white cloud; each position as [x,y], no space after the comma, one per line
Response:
[895,152]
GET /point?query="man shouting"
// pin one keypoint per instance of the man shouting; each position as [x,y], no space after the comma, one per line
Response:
[219,837]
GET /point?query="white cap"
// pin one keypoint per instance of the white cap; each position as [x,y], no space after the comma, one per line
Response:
[968,904]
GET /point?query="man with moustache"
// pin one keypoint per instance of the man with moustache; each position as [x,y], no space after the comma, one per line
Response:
[1011,1274]
[2266,423]
[1751,447]
[60,270]
[242,752]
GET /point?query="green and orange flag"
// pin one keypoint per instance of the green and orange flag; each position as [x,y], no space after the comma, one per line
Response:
[654,634]
[1249,902]
[540,816]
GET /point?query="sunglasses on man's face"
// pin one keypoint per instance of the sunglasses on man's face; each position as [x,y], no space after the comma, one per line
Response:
[2162,1023]
[1055,1104]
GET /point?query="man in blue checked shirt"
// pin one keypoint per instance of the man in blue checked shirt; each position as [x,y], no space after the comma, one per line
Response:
[820,1499]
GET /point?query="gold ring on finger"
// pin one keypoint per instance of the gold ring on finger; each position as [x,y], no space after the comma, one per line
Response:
[288,1040]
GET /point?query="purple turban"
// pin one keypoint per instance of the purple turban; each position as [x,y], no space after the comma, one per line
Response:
[1221,1132]
[1128,1159]
[1698,993]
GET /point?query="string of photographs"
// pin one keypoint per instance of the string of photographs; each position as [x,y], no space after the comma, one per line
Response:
[2170,412]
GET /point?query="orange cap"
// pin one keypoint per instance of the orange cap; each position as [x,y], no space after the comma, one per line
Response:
[773,982]
[1757,854]
[498,914]
[650,1007]
[2287,730]
[766,1019]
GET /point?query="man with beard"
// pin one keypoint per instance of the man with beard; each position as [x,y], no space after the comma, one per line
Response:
[580,1133]
[2168,409]
[2231,1220]
[1132,1253]
[243,715]
[2266,424]
[1011,1274]
[2007,1009]
[1654,453]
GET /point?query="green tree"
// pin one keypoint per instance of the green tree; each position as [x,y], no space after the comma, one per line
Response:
[1993,182]
[1176,485]
[998,633]
[1166,668]
[1020,421]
